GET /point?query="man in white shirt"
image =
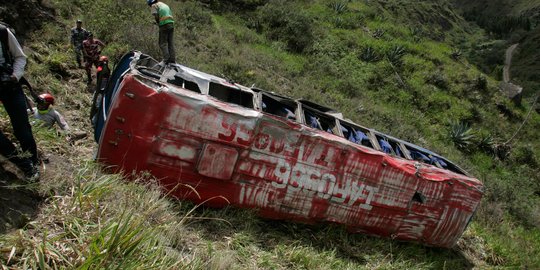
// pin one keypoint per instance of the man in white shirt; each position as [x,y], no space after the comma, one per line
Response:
[12,63]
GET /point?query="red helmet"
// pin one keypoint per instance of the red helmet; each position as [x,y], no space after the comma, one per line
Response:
[46,98]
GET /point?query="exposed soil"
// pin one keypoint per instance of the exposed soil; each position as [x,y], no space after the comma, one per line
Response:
[19,202]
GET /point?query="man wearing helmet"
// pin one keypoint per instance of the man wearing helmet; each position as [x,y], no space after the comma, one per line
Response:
[48,115]
[78,35]
[91,49]
[163,16]
[12,63]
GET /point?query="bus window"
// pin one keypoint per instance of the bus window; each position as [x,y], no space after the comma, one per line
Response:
[231,95]
[273,106]
[320,121]
[189,85]
[396,148]
[385,145]
[355,134]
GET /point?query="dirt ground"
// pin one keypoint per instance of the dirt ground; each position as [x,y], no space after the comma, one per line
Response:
[19,200]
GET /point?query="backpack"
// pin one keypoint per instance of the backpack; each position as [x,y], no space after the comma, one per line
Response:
[4,40]
[7,55]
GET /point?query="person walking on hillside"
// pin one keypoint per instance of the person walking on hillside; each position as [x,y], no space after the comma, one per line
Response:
[78,35]
[163,16]
[91,49]
[12,63]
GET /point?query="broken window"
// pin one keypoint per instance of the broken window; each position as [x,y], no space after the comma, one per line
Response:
[181,82]
[278,106]
[356,134]
[390,145]
[231,95]
[385,145]
[428,157]
[318,120]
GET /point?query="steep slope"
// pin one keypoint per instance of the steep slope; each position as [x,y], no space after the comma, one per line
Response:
[392,65]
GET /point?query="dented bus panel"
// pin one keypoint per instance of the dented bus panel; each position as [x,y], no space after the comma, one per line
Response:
[209,140]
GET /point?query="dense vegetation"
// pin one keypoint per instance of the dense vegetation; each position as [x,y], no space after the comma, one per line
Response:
[396,66]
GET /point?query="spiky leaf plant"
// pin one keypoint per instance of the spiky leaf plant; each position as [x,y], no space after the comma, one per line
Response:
[462,136]
[369,54]
[378,33]
[338,7]
[456,54]
[486,143]
[395,54]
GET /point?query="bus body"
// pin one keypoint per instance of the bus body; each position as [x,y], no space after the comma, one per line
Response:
[209,140]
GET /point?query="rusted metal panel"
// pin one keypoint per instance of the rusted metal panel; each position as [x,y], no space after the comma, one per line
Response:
[285,169]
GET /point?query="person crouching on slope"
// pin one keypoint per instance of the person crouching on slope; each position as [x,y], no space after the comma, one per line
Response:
[47,114]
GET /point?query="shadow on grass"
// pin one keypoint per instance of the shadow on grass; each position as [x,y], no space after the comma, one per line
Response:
[268,235]
[19,202]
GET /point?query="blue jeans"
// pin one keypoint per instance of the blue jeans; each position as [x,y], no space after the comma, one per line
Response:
[14,102]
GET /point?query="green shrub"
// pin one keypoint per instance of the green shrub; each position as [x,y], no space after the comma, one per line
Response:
[193,16]
[285,22]
[480,83]
[524,154]
[234,5]
[439,80]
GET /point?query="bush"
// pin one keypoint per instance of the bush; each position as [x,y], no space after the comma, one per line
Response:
[282,21]
[234,5]
[524,155]
[439,80]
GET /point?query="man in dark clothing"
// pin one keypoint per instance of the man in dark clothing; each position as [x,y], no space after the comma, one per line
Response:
[12,63]
[163,16]
[78,35]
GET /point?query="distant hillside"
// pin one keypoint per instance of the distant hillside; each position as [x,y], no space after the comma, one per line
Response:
[515,21]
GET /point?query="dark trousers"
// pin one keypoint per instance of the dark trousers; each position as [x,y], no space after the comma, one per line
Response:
[14,102]
[166,42]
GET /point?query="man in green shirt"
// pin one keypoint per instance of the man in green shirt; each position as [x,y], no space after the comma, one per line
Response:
[163,15]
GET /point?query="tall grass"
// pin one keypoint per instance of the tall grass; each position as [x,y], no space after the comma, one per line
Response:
[92,220]
[100,223]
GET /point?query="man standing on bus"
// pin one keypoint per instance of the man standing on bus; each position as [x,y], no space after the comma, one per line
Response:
[163,16]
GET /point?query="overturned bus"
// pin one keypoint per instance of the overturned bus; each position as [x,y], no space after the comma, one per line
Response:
[209,140]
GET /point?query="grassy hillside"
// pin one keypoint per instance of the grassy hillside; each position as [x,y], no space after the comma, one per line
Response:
[391,65]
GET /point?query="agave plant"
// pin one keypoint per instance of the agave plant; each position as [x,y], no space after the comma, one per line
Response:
[415,31]
[462,135]
[378,33]
[338,7]
[395,54]
[369,54]
[456,54]
[486,143]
